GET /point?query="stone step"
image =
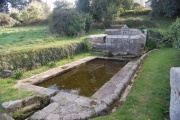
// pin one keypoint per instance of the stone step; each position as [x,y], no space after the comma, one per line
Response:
[68,106]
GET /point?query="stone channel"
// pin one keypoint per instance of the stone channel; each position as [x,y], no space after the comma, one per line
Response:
[67,106]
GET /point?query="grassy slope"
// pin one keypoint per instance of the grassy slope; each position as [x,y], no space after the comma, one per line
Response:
[150,95]
[33,37]
[163,23]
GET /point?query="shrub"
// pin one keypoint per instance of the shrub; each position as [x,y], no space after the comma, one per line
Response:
[88,22]
[51,64]
[172,37]
[167,41]
[35,12]
[7,21]
[87,46]
[174,33]
[18,74]
[66,22]
[151,44]
[15,14]
[136,5]
[155,34]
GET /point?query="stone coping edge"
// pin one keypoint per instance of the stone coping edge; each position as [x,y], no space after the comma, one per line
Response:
[103,100]
[30,84]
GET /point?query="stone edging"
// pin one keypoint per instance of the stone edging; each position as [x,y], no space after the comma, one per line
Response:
[68,106]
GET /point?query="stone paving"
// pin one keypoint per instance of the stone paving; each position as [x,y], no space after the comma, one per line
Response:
[67,106]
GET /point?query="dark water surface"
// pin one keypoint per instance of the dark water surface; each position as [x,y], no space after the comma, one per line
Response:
[86,79]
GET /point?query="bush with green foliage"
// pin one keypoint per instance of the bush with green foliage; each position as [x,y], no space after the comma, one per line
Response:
[83,6]
[172,38]
[136,5]
[137,11]
[165,8]
[128,4]
[18,74]
[35,12]
[51,64]
[7,21]
[87,46]
[107,20]
[88,22]
[151,44]
[106,10]
[66,22]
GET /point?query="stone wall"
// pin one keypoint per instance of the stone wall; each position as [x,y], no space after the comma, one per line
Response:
[100,38]
[123,44]
[175,93]
[98,41]
[32,59]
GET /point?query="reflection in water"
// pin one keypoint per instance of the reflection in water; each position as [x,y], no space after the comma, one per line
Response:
[86,79]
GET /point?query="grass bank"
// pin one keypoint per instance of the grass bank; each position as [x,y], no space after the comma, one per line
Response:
[150,96]
[34,37]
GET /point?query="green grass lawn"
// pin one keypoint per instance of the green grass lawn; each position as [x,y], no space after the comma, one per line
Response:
[150,96]
[34,37]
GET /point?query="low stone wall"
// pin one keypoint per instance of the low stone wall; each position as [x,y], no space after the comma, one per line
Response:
[21,109]
[175,93]
[35,58]
[100,38]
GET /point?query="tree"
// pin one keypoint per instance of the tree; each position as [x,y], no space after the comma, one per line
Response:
[83,6]
[106,10]
[165,8]
[128,4]
[34,12]
[4,6]
[66,22]
[63,4]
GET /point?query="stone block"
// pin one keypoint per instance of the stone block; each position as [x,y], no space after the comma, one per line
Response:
[31,100]
[87,114]
[51,107]
[5,117]
[40,115]
[5,73]
[119,88]
[72,116]
[12,106]
[53,117]
[48,92]
[110,99]
[101,109]
[72,108]
[104,91]
[175,93]
[62,96]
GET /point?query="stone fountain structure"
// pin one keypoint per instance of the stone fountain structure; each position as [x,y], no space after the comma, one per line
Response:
[121,41]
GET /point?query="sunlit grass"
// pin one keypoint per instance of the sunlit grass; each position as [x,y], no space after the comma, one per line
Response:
[34,37]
